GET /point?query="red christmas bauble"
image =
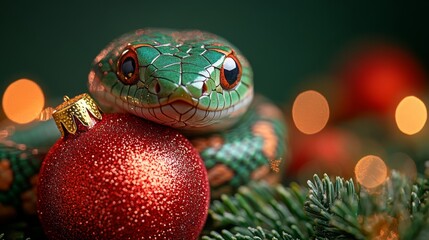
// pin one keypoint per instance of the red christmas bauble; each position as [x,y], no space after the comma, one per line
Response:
[376,77]
[333,151]
[123,178]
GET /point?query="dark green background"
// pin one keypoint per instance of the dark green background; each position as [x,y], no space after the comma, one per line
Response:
[287,42]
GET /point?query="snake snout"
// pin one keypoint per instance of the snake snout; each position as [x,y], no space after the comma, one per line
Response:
[182,94]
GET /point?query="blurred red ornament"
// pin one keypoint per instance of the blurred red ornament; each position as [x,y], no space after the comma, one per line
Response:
[376,77]
[120,177]
[331,151]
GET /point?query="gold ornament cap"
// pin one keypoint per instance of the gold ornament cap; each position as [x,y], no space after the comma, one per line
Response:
[81,108]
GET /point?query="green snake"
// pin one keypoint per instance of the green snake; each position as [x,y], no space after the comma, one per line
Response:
[196,82]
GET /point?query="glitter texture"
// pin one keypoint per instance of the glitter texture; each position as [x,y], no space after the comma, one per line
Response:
[125,178]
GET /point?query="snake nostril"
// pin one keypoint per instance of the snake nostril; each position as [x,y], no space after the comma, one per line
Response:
[157,87]
[205,89]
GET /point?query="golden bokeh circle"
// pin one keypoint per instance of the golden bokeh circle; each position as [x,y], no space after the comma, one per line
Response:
[371,171]
[310,112]
[411,115]
[22,101]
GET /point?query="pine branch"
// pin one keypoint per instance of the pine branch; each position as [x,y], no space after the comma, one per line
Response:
[328,210]
[419,211]
[255,234]
[334,208]
[262,212]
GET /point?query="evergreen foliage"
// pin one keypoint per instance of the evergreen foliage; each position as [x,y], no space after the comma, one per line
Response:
[326,209]
[340,209]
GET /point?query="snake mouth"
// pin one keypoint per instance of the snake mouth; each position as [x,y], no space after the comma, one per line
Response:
[182,107]
[183,115]
[182,103]
[190,117]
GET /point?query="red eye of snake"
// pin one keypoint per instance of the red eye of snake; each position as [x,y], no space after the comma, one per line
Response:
[128,69]
[230,73]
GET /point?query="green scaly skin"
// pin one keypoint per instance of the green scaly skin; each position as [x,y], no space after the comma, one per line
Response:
[17,168]
[179,85]
[21,155]
[239,138]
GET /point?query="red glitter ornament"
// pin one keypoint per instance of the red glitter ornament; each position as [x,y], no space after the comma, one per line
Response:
[120,177]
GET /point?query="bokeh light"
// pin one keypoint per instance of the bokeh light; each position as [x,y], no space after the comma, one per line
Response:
[310,112]
[23,101]
[371,171]
[411,115]
[403,163]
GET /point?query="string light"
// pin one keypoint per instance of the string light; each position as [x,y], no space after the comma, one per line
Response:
[411,115]
[310,112]
[371,171]
[23,101]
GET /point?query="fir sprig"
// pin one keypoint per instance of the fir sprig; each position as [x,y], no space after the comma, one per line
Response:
[333,208]
[326,210]
[262,212]
[418,211]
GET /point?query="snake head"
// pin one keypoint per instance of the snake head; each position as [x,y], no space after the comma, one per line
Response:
[190,80]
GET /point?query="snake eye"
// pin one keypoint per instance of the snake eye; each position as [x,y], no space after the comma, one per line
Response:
[230,74]
[128,69]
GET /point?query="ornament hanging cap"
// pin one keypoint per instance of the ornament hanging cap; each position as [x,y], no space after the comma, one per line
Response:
[80,107]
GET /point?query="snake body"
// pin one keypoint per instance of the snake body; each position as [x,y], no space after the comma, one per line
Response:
[196,82]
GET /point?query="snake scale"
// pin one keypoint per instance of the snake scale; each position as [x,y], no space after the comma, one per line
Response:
[193,81]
